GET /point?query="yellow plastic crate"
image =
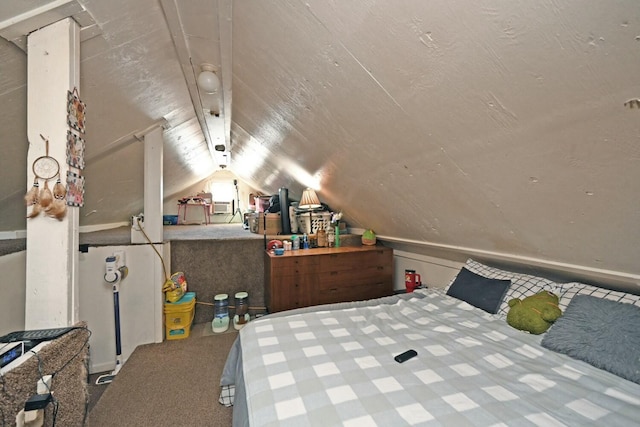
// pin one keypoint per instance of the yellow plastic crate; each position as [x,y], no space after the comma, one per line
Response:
[178,317]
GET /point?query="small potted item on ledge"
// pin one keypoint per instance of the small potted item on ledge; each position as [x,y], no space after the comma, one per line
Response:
[369,238]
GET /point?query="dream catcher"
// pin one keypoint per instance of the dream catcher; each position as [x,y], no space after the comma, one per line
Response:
[52,203]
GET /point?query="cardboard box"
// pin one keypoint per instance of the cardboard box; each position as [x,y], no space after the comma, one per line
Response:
[257,222]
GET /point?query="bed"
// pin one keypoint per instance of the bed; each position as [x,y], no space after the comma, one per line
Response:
[334,364]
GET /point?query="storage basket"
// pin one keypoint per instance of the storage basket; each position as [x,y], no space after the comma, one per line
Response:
[178,316]
[311,223]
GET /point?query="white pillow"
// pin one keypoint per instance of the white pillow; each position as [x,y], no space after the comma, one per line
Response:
[522,285]
[569,290]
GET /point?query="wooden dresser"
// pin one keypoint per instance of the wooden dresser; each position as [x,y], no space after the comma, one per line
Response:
[327,275]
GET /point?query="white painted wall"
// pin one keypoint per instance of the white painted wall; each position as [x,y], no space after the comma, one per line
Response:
[434,272]
[141,306]
[13,290]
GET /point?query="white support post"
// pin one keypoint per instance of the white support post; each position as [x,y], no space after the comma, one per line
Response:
[153,152]
[52,245]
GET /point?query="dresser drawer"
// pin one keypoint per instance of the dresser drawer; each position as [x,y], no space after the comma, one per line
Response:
[294,265]
[353,293]
[354,277]
[354,260]
[295,282]
[292,292]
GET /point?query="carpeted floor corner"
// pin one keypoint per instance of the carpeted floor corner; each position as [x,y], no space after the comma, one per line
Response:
[174,383]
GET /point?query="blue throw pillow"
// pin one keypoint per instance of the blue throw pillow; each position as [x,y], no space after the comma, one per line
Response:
[479,291]
[600,332]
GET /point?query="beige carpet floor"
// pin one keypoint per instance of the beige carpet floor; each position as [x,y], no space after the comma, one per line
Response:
[174,383]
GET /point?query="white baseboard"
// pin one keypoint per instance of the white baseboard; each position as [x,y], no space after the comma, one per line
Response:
[22,234]
[102,367]
[100,227]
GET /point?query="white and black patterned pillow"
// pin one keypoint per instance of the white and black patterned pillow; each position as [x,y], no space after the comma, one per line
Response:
[522,285]
[570,290]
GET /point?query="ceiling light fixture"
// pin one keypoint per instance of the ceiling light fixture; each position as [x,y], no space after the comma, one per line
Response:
[208,80]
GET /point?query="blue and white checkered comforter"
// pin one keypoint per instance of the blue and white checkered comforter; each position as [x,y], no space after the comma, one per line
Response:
[336,367]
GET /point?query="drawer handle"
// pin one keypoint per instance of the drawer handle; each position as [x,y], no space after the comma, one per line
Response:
[333,290]
[380,267]
[333,273]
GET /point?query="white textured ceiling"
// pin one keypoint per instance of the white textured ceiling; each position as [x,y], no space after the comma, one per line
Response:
[496,126]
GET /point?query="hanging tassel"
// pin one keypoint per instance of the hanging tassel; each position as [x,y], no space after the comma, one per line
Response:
[31,197]
[35,210]
[46,197]
[59,190]
[57,209]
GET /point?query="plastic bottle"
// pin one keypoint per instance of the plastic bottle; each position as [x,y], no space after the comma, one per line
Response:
[242,310]
[322,238]
[220,321]
[305,241]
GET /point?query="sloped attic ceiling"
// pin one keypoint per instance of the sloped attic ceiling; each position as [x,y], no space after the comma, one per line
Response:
[135,75]
[495,127]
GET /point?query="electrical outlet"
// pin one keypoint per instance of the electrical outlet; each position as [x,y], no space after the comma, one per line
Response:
[137,222]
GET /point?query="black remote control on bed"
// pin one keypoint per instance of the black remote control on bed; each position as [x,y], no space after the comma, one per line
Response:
[405,356]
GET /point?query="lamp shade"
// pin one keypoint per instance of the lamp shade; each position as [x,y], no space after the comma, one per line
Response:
[309,200]
[208,80]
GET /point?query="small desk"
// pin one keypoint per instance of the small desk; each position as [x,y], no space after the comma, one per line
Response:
[183,207]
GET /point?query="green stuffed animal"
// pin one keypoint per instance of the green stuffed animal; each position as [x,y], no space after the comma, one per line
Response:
[535,313]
